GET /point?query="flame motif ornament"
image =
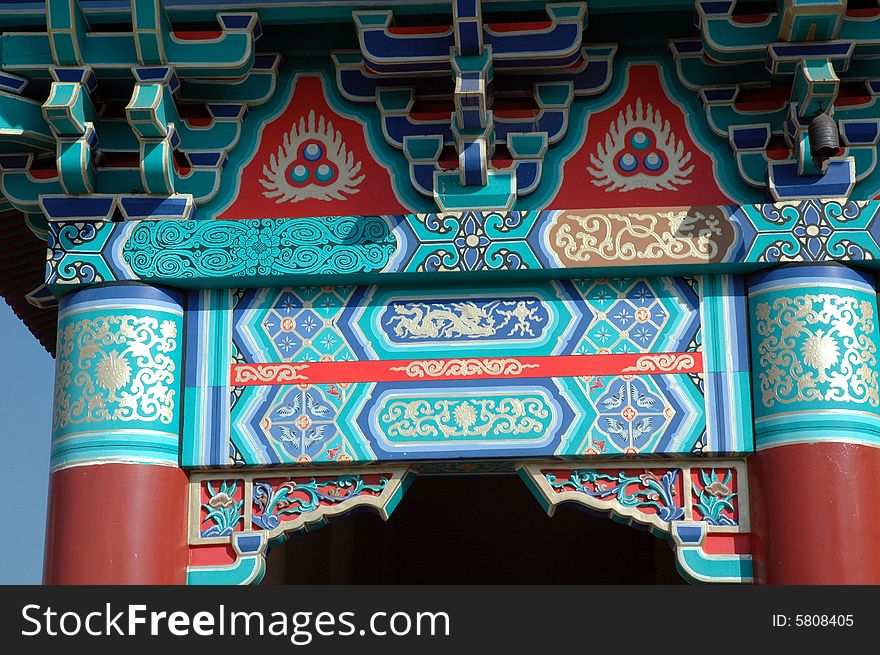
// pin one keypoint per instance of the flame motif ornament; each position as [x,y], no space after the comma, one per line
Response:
[312,163]
[640,152]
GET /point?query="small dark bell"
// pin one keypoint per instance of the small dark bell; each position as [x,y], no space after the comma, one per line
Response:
[824,138]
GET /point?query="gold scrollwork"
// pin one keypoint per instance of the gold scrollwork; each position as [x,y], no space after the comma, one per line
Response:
[445,367]
[664,362]
[817,347]
[477,417]
[115,368]
[269,373]
[687,234]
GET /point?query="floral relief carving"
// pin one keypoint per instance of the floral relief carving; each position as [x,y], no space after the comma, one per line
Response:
[115,368]
[817,347]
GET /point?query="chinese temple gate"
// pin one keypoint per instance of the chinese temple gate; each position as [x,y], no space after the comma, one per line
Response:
[292,256]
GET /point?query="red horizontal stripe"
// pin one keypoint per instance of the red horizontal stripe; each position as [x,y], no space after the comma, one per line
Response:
[464,368]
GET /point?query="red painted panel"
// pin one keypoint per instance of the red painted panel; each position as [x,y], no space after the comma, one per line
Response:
[814,513]
[718,543]
[212,555]
[465,368]
[117,524]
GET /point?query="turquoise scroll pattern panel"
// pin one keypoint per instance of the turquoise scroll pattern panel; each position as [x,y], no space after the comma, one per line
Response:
[815,354]
[118,377]
[466,372]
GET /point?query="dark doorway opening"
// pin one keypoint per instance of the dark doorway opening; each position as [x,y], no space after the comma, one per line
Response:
[461,529]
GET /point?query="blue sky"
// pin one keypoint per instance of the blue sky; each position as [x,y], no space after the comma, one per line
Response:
[25,407]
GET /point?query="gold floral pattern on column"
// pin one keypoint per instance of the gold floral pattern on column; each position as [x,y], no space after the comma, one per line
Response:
[115,368]
[817,347]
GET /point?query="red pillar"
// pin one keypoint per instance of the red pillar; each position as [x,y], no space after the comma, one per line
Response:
[117,524]
[814,514]
[814,480]
[118,499]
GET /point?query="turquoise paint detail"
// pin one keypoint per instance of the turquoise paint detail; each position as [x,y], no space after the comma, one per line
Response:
[68,108]
[69,41]
[814,356]
[813,231]
[674,424]
[200,183]
[803,427]
[159,110]
[668,313]
[207,394]
[688,538]
[205,249]
[722,118]
[726,172]
[249,566]
[22,125]
[157,167]
[502,242]
[192,449]
[118,378]
[315,331]
[141,447]
[88,265]
[66,27]
[729,41]
[699,567]
[74,160]
[255,88]
[695,71]
[205,184]
[452,195]
[725,338]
